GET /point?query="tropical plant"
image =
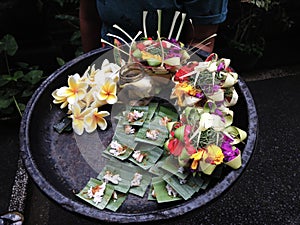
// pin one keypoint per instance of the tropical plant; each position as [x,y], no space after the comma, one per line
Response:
[249,28]
[18,80]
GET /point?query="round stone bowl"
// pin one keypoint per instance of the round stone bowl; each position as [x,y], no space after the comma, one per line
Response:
[57,165]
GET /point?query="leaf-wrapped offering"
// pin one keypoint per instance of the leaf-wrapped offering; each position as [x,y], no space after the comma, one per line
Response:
[145,156]
[171,165]
[96,193]
[236,162]
[161,193]
[135,115]
[180,186]
[116,201]
[140,182]
[118,175]
[120,148]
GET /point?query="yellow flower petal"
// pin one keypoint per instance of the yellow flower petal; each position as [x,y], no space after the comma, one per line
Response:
[112,99]
[108,92]
[78,118]
[95,118]
[215,154]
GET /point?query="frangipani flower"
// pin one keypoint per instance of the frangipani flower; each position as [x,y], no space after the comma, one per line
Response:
[74,92]
[89,74]
[108,92]
[59,99]
[78,118]
[95,118]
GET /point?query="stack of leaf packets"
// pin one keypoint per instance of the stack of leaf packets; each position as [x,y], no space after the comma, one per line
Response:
[141,163]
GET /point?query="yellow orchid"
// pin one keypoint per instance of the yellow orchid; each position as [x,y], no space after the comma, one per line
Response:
[78,118]
[196,158]
[108,92]
[95,118]
[213,155]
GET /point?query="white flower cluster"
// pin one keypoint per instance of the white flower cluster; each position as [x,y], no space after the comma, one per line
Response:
[85,94]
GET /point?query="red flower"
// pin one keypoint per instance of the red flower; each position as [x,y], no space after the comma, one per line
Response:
[184,70]
[175,146]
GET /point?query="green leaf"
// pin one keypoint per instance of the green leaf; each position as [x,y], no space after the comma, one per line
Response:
[142,188]
[22,65]
[172,166]
[151,156]
[151,110]
[153,62]
[166,111]
[196,182]
[33,77]
[4,103]
[184,190]
[125,172]
[60,61]
[3,81]
[64,125]
[21,106]
[114,204]
[9,45]
[17,75]
[27,93]
[140,121]
[128,152]
[137,53]
[174,61]
[92,183]
[141,137]
[156,168]
[160,191]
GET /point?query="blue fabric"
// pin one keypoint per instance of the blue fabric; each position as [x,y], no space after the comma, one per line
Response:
[128,14]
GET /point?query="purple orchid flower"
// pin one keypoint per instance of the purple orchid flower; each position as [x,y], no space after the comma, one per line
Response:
[229,151]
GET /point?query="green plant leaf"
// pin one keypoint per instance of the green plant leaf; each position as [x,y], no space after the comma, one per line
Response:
[160,190]
[17,75]
[184,190]
[92,183]
[23,65]
[172,166]
[151,156]
[153,62]
[22,106]
[64,125]
[34,76]
[141,189]
[3,81]
[114,204]
[27,92]
[9,45]
[4,103]
[125,172]
[60,61]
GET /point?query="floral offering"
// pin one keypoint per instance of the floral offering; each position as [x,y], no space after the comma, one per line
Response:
[168,147]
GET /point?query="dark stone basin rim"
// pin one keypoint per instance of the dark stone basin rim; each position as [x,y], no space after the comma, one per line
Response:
[84,209]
